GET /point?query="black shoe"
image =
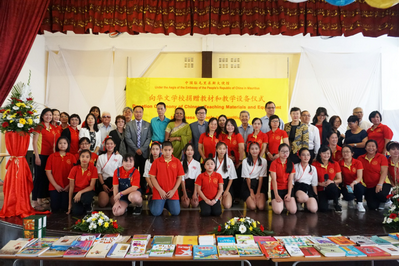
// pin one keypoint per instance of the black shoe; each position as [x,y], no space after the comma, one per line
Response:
[338,208]
[137,210]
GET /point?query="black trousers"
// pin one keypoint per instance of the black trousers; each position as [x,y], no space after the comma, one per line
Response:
[84,205]
[59,201]
[357,194]
[331,192]
[139,162]
[40,182]
[237,183]
[207,210]
[374,199]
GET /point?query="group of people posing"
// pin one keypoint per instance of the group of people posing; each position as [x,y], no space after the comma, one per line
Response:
[211,163]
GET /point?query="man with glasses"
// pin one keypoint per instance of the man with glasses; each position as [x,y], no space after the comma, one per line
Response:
[363,124]
[159,123]
[270,108]
[105,127]
[197,128]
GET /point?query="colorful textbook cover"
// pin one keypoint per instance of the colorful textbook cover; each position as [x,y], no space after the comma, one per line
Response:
[205,252]
[228,251]
[183,250]
[162,250]
[13,247]
[138,249]
[273,250]
[78,249]
[351,251]
[249,251]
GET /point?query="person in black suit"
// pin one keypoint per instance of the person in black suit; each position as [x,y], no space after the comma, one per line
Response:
[197,128]
[138,137]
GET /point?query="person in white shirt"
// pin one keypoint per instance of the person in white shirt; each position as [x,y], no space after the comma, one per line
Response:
[90,131]
[155,153]
[305,182]
[245,129]
[363,124]
[314,135]
[254,169]
[192,170]
[225,167]
[106,165]
[105,127]
[270,109]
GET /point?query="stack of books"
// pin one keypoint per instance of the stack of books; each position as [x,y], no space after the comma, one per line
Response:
[35,226]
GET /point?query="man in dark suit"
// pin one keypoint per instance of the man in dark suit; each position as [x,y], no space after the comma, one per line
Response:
[197,128]
[138,137]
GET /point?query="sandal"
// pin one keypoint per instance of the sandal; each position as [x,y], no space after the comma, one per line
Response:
[39,208]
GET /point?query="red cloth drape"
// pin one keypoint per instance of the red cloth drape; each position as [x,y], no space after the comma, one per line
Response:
[20,21]
[222,17]
[18,183]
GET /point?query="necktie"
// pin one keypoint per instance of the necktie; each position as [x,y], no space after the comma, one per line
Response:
[139,134]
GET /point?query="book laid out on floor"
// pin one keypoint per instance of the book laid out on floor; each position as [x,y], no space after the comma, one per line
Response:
[372,251]
[391,249]
[351,251]
[264,239]
[245,240]
[162,250]
[184,250]
[379,240]
[185,240]
[138,249]
[99,250]
[318,240]
[205,252]
[165,240]
[294,250]
[273,250]
[13,247]
[341,240]
[249,250]
[226,240]
[206,240]
[78,249]
[330,250]
[228,251]
[310,252]
[118,250]
[362,240]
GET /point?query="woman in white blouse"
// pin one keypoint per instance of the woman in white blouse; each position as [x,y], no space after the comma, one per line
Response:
[314,135]
[225,167]
[90,131]
[107,163]
[305,182]
[192,169]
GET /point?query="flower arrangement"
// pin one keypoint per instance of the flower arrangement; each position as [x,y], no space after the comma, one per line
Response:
[391,218]
[19,115]
[243,225]
[97,222]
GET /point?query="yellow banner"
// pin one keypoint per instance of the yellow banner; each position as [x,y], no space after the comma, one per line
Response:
[220,96]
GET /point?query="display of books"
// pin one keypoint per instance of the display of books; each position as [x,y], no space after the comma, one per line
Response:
[379,240]
[205,252]
[245,240]
[184,250]
[138,249]
[206,240]
[273,250]
[162,250]
[249,250]
[362,240]
[310,252]
[145,237]
[227,251]
[294,250]
[65,241]
[372,251]
[13,247]
[118,250]
[341,240]
[391,249]
[318,240]
[330,250]
[226,240]
[352,251]
[185,240]
[79,248]
[165,240]
[99,250]
[264,239]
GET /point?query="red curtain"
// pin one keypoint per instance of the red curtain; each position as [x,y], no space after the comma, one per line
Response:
[20,21]
[222,17]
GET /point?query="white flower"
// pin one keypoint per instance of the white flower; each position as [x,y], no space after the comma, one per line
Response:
[89,220]
[37,120]
[20,125]
[392,208]
[9,117]
[92,226]
[100,221]
[242,229]
[226,226]
[15,107]
[389,220]
[385,220]
[96,215]
[27,106]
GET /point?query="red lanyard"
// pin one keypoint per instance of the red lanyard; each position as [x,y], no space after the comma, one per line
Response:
[220,164]
[253,168]
[106,162]
[302,173]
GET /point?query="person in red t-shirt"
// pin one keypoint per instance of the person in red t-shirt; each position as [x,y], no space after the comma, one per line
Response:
[166,174]
[84,144]
[352,174]
[72,133]
[282,172]
[258,136]
[210,188]
[393,162]
[329,176]
[82,180]
[58,166]
[126,185]
[335,149]
[374,174]
[379,132]
[208,140]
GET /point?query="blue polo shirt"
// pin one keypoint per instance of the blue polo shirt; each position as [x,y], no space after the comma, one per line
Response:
[158,128]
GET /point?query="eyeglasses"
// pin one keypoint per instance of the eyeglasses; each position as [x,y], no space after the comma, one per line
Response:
[270,107]
[285,151]
[106,116]
[201,113]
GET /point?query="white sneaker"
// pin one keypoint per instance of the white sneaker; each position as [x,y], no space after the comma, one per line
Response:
[351,204]
[360,207]
[382,206]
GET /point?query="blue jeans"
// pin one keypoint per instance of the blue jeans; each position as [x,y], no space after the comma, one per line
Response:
[156,206]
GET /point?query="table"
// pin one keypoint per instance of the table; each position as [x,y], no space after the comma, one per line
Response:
[297,260]
[140,261]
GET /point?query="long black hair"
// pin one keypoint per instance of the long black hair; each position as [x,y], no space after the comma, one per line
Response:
[272,117]
[300,153]
[58,140]
[209,122]
[184,115]
[219,130]
[224,167]
[45,110]
[319,111]
[95,127]
[99,113]
[249,156]
[105,143]
[184,159]
[324,148]
[234,123]
[156,143]
[290,165]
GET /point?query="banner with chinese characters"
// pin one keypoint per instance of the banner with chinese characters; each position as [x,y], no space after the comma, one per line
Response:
[226,96]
